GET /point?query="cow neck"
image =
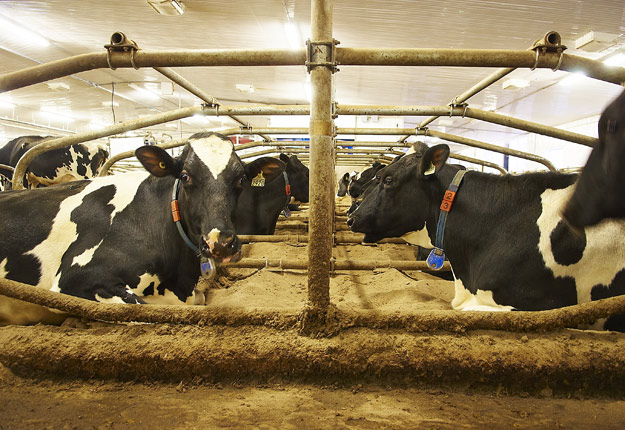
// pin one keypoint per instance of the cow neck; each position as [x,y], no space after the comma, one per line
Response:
[175,213]
[437,255]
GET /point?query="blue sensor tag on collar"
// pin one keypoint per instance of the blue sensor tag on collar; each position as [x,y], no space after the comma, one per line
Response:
[208,268]
[287,212]
[436,259]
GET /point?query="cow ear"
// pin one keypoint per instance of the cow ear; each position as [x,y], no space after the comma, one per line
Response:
[269,166]
[284,157]
[157,161]
[433,160]
[346,176]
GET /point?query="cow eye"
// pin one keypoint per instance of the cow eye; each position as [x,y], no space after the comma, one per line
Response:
[388,180]
[184,177]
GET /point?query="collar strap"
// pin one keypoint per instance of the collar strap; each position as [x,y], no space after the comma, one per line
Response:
[175,213]
[437,255]
[287,191]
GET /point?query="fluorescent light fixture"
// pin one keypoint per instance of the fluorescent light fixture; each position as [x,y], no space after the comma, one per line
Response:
[144,92]
[109,103]
[515,84]
[594,41]
[19,33]
[167,7]
[245,88]
[292,35]
[58,86]
[615,60]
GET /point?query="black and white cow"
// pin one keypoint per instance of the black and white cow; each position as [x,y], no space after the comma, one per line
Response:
[259,207]
[344,183]
[504,237]
[79,161]
[114,239]
[600,190]
[357,185]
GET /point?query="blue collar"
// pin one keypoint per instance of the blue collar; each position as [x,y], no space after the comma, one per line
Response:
[437,256]
[175,213]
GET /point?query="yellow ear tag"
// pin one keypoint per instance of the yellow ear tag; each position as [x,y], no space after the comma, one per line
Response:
[259,180]
[431,170]
[162,165]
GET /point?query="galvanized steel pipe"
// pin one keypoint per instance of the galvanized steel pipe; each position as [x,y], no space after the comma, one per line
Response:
[321,169]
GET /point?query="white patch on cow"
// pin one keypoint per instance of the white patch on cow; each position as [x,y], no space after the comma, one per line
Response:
[144,282]
[214,152]
[169,298]
[3,268]
[115,299]
[63,232]
[86,256]
[419,237]
[603,256]
[482,300]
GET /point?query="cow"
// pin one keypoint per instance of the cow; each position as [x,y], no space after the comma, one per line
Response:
[357,185]
[344,183]
[600,189]
[504,238]
[137,237]
[78,161]
[259,204]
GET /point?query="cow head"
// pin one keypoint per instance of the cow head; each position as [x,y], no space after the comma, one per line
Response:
[298,177]
[343,184]
[405,194]
[210,174]
[357,185]
[599,190]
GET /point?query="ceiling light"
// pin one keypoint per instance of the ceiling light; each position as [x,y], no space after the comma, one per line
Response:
[594,41]
[167,7]
[58,86]
[108,103]
[21,34]
[515,84]
[292,35]
[245,88]
[615,60]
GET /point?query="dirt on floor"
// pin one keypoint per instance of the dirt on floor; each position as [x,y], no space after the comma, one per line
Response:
[177,377]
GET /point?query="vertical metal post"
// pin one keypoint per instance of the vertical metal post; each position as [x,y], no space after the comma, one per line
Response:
[316,319]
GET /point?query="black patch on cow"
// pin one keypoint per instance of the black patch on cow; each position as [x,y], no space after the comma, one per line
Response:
[91,224]
[567,246]
[24,268]
[149,290]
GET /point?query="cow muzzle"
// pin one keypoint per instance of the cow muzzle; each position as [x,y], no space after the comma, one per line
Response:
[223,246]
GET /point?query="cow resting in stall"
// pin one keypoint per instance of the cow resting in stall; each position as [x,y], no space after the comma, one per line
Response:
[115,239]
[507,244]
[78,161]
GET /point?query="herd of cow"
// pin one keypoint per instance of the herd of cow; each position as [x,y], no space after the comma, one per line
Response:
[515,242]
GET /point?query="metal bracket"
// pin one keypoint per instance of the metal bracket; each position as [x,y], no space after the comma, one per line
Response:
[453,105]
[550,43]
[120,43]
[423,129]
[245,129]
[310,47]
[333,110]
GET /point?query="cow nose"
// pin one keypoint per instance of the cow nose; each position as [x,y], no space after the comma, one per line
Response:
[224,245]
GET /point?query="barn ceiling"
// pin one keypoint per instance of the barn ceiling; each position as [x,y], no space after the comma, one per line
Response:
[99,98]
